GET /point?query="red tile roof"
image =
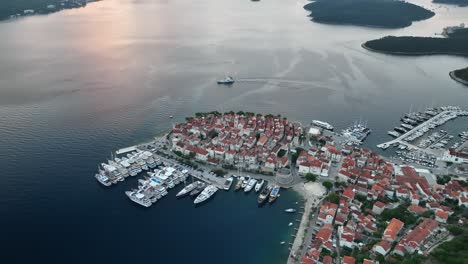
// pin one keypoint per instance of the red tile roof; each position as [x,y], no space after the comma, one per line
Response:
[393,228]
[385,245]
[348,260]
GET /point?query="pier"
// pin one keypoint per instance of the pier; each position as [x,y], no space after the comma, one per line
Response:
[401,139]
[203,176]
[300,235]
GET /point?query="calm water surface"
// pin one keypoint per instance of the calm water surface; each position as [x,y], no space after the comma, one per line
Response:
[78,84]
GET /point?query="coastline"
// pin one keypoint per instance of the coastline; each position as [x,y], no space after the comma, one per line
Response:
[402,53]
[41,12]
[455,78]
[311,200]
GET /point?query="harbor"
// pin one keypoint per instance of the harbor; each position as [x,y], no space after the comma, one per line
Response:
[160,174]
[417,124]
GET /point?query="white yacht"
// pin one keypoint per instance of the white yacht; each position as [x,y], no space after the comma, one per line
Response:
[259,185]
[162,190]
[322,124]
[245,182]
[104,180]
[250,185]
[228,183]
[207,193]
[151,163]
[138,198]
[187,189]
[393,133]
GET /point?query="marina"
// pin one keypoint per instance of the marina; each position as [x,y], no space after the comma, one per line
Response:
[161,174]
[357,133]
[417,124]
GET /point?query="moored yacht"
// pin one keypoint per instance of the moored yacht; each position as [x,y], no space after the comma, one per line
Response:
[274,194]
[187,189]
[238,186]
[104,180]
[198,189]
[206,194]
[245,182]
[228,183]
[259,185]
[138,198]
[322,124]
[264,194]
[250,185]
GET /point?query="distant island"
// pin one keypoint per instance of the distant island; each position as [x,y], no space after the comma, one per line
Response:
[454,44]
[10,9]
[453,2]
[373,13]
[460,75]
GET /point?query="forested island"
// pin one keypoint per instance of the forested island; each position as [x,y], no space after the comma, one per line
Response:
[460,75]
[374,13]
[456,43]
[453,2]
[10,9]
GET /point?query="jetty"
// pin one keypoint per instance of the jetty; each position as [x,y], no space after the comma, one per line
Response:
[401,139]
[300,235]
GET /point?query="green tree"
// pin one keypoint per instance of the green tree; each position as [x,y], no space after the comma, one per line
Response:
[311,177]
[327,185]
[333,198]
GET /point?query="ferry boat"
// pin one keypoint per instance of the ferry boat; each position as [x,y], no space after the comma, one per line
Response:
[227,80]
[264,194]
[274,194]
[206,194]
[200,187]
[187,189]
[238,186]
[322,124]
[259,185]
[250,185]
[228,183]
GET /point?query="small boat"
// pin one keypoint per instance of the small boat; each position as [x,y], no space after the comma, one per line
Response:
[245,182]
[274,194]
[238,186]
[228,80]
[228,183]
[264,194]
[290,224]
[290,210]
[282,242]
[250,185]
[171,117]
[259,185]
